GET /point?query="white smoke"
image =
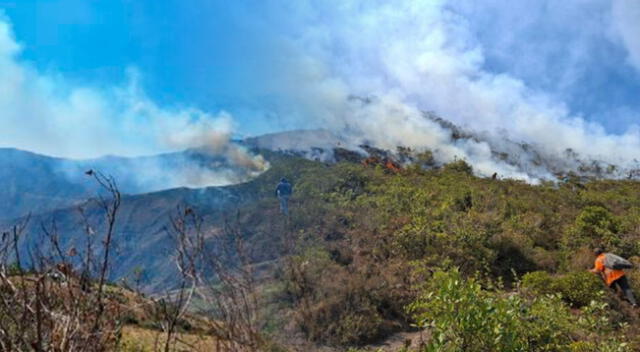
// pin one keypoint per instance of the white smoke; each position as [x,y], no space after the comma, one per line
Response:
[215,138]
[421,55]
[626,23]
[402,58]
[44,113]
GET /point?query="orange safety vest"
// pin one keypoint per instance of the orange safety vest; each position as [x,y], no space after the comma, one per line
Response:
[610,275]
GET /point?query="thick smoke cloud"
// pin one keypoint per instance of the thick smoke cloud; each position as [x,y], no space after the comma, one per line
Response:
[415,56]
[44,113]
[367,71]
[626,15]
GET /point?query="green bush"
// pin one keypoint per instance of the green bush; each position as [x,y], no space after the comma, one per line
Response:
[462,316]
[460,166]
[579,288]
[607,345]
[594,226]
[538,282]
[583,346]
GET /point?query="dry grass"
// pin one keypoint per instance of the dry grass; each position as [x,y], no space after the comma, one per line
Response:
[137,339]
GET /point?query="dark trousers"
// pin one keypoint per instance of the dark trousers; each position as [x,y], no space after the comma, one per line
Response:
[284,204]
[623,284]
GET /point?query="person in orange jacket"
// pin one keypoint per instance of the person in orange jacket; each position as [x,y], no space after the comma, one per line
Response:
[612,277]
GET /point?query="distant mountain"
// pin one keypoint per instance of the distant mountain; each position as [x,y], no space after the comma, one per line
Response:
[52,189]
[141,240]
[36,183]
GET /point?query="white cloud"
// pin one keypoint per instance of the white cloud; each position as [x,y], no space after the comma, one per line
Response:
[423,55]
[626,22]
[44,113]
[411,55]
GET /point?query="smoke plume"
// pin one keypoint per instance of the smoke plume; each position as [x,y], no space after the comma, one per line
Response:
[507,75]
[412,56]
[46,114]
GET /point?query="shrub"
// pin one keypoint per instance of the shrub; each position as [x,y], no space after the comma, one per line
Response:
[610,345]
[538,282]
[594,226]
[355,327]
[512,255]
[583,346]
[578,288]
[464,317]
[547,324]
[460,166]
[333,305]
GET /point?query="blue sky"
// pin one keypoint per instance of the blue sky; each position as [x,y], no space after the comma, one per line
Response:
[275,65]
[193,53]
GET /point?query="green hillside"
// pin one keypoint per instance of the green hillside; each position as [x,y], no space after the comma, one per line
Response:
[369,252]
[438,258]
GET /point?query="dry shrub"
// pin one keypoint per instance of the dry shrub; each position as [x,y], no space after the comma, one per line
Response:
[55,307]
[581,259]
[345,304]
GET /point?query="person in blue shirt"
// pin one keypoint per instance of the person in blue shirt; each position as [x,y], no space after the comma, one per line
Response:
[283,192]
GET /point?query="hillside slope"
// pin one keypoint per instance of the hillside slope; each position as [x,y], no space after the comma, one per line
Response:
[142,241]
[365,241]
[36,183]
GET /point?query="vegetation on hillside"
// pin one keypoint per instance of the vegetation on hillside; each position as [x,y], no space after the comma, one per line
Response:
[474,264]
[370,243]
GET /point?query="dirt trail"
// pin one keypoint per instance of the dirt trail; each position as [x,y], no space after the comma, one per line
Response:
[393,343]
[399,340]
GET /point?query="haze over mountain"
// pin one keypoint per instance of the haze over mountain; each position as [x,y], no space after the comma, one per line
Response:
[36,183]
[53,189]
[364,71]
[46,188]
[454,163]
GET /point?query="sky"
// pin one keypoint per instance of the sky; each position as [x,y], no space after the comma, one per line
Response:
[83,78]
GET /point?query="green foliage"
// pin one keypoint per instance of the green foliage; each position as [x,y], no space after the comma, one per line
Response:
[538,282]
[578,289]
[462,316]
[594,226]
[605,345]
[368,226]
[460,166]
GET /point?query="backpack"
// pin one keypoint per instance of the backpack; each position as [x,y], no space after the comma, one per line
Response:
[612,261]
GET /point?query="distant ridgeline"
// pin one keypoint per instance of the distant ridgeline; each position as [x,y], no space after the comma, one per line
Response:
[52,189]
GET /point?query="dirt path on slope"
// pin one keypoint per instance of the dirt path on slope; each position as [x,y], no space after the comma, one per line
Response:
[400,340]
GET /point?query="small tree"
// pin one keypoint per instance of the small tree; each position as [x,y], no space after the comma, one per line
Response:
[50,307]
[463,316]
[594,226]
[215,264]
[460,166]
